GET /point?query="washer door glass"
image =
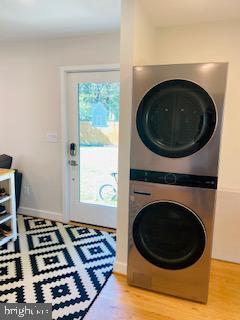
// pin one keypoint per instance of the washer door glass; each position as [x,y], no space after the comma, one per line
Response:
[169,235]
[176,118]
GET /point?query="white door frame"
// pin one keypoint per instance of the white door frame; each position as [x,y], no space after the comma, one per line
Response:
[64,125]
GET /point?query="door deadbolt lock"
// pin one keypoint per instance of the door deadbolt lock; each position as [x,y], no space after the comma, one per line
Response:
[73,149]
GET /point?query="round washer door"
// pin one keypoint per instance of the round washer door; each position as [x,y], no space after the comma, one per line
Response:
[176,118]
[169,235]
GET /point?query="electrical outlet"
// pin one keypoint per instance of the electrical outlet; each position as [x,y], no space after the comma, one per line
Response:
[52,137]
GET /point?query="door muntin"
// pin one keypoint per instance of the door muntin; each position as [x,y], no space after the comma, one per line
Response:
[169,235]
[176,118]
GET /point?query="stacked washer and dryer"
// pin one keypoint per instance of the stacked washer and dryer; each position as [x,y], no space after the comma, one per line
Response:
[176,128]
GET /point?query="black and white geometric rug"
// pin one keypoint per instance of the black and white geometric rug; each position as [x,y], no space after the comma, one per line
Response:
[56,263]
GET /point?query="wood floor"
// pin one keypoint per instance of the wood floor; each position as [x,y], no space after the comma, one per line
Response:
[118,301]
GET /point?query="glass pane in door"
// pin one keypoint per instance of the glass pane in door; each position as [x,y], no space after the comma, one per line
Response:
[98,142]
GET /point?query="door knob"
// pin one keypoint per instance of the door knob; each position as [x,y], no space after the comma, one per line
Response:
[73,163]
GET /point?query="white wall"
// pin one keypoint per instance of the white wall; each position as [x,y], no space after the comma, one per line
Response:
[144,37]
[126,62]
[215,42]
[137,47]
[30,107]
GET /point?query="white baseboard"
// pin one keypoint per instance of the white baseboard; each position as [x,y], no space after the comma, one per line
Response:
[55,216]
[120,267]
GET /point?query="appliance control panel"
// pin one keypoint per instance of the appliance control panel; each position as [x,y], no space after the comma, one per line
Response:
[179,179]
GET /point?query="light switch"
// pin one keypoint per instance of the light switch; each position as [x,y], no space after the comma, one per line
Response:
[52,137]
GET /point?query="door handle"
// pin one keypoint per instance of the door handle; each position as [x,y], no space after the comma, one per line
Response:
[142,193]
[73,163]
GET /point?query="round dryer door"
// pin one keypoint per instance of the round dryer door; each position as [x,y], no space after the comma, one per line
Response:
[176,118]
[169,235]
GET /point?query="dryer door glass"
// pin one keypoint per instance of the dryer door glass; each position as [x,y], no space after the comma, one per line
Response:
[176,118]
[169,235]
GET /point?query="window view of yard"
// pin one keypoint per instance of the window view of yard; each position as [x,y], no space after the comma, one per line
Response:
[98,130]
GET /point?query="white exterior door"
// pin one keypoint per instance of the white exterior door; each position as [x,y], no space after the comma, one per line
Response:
[93,116]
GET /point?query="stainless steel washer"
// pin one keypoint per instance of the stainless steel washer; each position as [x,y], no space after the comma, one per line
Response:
[176,127]
[170,238]
[177,116]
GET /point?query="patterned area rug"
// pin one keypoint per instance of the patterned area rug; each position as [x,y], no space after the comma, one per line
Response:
[56,263]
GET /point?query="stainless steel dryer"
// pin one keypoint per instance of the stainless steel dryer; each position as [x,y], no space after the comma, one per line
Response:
[176,127]
[170,235]
[177,116]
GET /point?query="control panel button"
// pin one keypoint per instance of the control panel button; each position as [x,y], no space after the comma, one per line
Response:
[170,178]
